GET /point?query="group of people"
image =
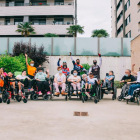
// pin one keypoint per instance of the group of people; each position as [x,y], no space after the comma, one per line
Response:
[39,76]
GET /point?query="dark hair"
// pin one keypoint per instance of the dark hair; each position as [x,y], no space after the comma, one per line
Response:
[91,74]
[39,68]
[77,59]
[3,68]
[75,70]
[94,60]
[23,71]
[59,67]
[129,70]
[111,71]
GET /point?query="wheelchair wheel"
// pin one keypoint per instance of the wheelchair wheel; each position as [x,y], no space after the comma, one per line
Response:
[31,97]
[45,97]
[0,100]
[138,100]
[83,99]
[66,98]
[80,97]
[25,100]
[8,101]
[119,98]
[35,97]
[4,98]
[115,92]
[102,95]
[97,94]
[51,98]
[96,101]
[18,98]
[69,97]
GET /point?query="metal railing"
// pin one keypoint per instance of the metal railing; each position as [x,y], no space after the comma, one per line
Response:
[37,4]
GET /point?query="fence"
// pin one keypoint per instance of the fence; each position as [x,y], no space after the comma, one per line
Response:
[78,46]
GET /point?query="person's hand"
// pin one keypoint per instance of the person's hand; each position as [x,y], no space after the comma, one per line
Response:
[133,65]
[23,85]
[47,70]
[99,54]
[26,55]
[59,59]
[70,53]
[128,83]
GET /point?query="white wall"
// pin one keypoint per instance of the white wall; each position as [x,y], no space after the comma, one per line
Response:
[117,64]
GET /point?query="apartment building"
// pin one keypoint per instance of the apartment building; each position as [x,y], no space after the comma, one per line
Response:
[46,16]
[125,18]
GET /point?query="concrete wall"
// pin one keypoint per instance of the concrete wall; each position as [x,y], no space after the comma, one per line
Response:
[135,52]
[117,64]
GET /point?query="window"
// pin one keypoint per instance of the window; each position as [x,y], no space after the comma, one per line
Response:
[128,20]
[7,21]
[127,5]
[119,4]
[17,21]
[120,29]
[128,35]
[119,17]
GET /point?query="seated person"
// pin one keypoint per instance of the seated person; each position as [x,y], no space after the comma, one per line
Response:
[84,80]
[59,81]
[133,86]
[41,80]
[1,80]
[126,79]
[4,75]
[75,81]
[24,81]
[90,81]
[64,67]
[108,80]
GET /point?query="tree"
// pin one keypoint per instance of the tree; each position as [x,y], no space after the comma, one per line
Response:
[100,33]
[25,29]
[50,35]
[74,29]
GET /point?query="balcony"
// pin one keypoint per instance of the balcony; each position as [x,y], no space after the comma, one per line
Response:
[39,29]
[36,10]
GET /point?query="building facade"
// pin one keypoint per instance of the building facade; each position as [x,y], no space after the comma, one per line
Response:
[46,16]
[125,18]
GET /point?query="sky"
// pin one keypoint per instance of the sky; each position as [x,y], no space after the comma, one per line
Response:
[94,14]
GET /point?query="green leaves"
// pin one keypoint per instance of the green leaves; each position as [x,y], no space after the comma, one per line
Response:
[74,29]
[100,33]
[25,29]
[12,64]
[50,35]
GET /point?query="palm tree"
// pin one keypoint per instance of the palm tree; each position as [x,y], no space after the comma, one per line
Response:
[74,29]
[100,33]
[25,29]
[50,35]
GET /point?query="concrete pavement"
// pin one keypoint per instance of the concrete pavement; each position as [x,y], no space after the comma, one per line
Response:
[54,120]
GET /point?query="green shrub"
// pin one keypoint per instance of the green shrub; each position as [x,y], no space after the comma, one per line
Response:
[12,64]
[86,66]
[118,84]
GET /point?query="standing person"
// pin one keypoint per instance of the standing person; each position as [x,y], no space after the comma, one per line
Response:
[77,65]
[31,70]
[95,69]
[133,86]
[64,67]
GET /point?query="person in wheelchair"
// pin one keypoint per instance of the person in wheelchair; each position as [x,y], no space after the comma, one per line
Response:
[41,81]
[75,81]
[135,85]
[108,80]
[60,81]
[126,79]
[24,81]
[91,81]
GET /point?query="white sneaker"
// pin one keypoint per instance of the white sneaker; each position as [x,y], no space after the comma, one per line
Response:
[128,97]
[87,94]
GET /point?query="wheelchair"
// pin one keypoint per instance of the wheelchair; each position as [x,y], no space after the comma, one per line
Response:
[34,94]
[94,92]
[136,96]
[8,94]
[112,90]
[60,89]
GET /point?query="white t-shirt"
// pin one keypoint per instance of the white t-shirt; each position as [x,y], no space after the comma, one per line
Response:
[92,80]
[138,76]
[21,77]
[60,78]
[74,79]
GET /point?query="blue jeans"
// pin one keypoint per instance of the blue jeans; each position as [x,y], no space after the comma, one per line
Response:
[132,88]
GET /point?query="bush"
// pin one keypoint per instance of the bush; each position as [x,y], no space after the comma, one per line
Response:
[36,54]
[118,84]
[86,66]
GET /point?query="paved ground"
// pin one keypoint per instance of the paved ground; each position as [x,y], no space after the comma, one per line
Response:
[54,120]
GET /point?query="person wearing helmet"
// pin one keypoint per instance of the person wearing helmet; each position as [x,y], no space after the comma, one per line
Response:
[64,67]
[77,65]
[95,69]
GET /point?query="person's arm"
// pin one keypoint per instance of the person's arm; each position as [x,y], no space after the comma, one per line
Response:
[100,60]
[26,59]
[36,77]
[131,82]
[111,78]
[55,79]
[133,71]
[58,63]
[122,80]
[64,81]
[72,59]
[90,69]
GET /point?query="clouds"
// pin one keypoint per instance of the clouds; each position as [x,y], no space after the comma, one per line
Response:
[94,14]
